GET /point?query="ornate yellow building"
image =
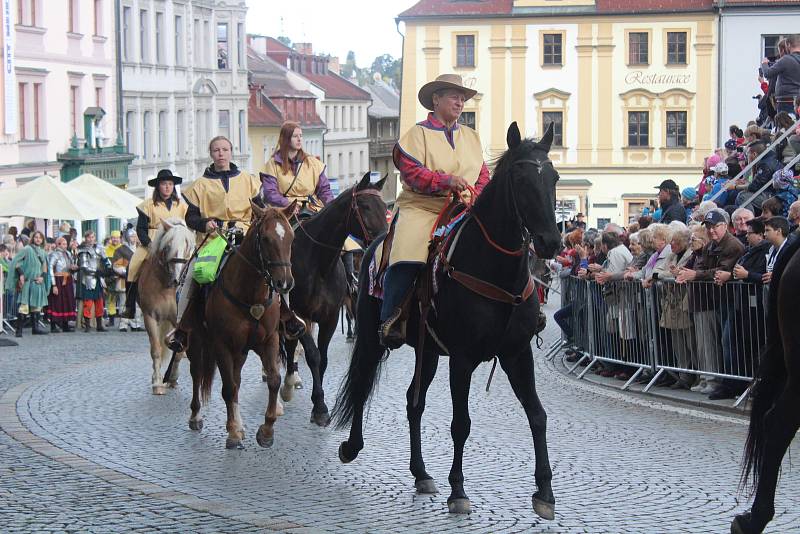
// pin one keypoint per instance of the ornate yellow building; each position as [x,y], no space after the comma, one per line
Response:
[630,86]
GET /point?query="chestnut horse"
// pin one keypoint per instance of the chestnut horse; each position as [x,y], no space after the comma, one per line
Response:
[241,313]
[171,249]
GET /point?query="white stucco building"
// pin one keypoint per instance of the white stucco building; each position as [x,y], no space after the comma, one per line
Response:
[749,31]
[184,81]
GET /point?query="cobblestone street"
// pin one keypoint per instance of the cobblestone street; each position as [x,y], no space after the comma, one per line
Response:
[86,447]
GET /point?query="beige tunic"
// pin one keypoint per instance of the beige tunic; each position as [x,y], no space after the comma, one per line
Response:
[303,186]
[156,212]
[417,212]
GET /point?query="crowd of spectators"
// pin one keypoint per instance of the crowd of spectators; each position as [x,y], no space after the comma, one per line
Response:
[47,283]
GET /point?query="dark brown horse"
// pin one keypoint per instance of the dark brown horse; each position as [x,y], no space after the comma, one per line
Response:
[775,417]
[241,313]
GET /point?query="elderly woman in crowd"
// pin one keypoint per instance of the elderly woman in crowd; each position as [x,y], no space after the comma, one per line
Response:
[29,274]
[62,296]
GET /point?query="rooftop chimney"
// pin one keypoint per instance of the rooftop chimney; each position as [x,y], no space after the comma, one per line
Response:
[333,65]
[304,48]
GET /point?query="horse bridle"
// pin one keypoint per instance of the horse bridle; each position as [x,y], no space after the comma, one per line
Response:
[354,209]
[263,270]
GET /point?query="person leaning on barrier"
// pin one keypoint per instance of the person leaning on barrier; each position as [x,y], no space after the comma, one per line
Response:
[776,230]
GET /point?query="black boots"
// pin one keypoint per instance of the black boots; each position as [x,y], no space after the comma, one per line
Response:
[100,327]
[20,323]
[54,328]
[131,295]
[390,332]
[36,330]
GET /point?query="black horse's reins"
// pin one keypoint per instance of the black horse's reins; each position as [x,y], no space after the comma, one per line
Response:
[353,209]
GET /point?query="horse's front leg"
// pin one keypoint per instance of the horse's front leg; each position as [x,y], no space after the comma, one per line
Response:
[156,350]
[519,369]
[422,480]
[225,363]
[269,362]
[319,413]
[195,356]
[291,380]
[460,378]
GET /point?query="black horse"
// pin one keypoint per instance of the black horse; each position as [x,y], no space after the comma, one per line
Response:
[518,204]
[320,285]
[774,418]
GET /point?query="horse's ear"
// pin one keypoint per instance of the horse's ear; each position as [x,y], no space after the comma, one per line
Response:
[258,211]
[547,138]
[364,183]
[380,183]
[513,137]
[290,210]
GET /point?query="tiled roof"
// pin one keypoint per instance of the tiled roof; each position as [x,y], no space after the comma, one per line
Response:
[458,7]
[337,87]
[385,100]
[272,76]
[755,3]
[662,6]
[264,115]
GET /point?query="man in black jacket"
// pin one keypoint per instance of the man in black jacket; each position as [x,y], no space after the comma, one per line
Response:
[670,201]
[762,175]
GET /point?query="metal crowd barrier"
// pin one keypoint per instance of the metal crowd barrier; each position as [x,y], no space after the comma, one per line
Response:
[697,328]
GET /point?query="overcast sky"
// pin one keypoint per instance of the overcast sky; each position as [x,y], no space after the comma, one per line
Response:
[366,27]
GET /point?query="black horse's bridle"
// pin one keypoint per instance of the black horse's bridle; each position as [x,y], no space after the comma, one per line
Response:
[354,210]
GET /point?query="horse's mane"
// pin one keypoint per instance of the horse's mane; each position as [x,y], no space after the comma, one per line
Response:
[165,238]
[502,163]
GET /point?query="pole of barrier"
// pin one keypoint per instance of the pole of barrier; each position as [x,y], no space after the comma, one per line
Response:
[789,165]
[2,302]
[752,164]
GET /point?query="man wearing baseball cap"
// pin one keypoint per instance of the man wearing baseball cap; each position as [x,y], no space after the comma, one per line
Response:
[669,200]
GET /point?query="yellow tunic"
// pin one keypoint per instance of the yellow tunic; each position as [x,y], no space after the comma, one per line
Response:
[416,212]
[304,186]
[156,212]
[209,195]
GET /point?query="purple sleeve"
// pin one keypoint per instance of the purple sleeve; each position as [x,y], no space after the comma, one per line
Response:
[269,187]
[323,191]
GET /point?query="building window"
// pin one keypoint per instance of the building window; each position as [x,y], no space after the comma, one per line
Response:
[676,48]
[240,53]
[178,40]
[196,38]
[22,129]
[72,16]
[126,34]
[222,46]
[224,126]
[98,97]
[162,134]
[159,38]
[143,27]
[180,133]
[769,46]
[73,107]
[352,118]
[557,120]
[676,129]
[98,17]
[467,118]
[552,44]
[207,42]
[199,130]
[465,50]
[637,48]
[129,131]
[146,125]
[242,136]
[37,102]
[638,129]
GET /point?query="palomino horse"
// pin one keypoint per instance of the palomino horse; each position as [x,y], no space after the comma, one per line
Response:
[471,323]
[775,418]
[241,313]
[170,251]
[320,284]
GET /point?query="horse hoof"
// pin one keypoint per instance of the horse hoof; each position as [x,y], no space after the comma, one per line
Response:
[159,390]
[172,384]
[196,424]
[321,419]
[263,440]
[459,506]
[287,392]
[545,510]
[343,457]
[427,486]
[743,524]
[231,444]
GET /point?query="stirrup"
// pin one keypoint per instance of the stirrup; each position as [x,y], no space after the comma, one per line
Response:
[176,340]
[390,333]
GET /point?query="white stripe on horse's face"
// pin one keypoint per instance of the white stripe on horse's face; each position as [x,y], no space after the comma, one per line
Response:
[280,230]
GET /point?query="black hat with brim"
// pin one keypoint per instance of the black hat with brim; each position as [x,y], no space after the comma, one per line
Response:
[668,185]
[164,175]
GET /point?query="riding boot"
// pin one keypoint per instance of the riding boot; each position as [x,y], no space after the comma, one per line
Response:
[35,329]
[54,329]
[293,326]
[391,331]
[65,327]
[20,322]
[177,340]
[100,327]
[397,294]
[131,295]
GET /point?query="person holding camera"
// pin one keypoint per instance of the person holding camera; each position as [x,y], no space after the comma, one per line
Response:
[786,73]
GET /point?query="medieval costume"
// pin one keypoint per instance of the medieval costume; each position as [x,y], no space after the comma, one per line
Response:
[92,264]
[62,296]
[30,263]
[120,263]
[112,296]
[305,181]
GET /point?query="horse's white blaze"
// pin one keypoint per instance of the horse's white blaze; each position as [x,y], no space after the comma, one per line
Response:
[280,230]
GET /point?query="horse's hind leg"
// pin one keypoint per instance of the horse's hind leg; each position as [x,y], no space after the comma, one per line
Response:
[460,378]
[319,413]
[519,369]
[422,480]
[156,349]
[287,390]
[269,361]
[196,419]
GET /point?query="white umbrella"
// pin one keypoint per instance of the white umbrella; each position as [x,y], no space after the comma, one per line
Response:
[48,198]
[119,202]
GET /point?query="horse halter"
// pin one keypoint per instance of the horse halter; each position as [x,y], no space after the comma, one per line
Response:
[263,270]
[354,209]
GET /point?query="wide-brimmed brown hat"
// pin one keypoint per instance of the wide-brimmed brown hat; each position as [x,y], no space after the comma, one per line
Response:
[444,81]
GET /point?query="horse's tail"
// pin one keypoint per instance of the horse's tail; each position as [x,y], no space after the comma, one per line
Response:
[771,376]
[208,366]
[367,357]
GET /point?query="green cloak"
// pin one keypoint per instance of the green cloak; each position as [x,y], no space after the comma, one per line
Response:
[32,261]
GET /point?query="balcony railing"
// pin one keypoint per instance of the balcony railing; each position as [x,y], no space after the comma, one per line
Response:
[381,148]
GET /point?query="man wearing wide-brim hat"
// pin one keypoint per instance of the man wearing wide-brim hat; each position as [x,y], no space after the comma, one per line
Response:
[435,157]
[164,204]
